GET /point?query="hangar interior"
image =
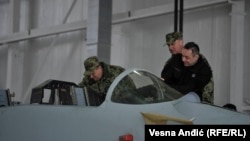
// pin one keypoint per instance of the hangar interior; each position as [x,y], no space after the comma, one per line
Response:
[50,39]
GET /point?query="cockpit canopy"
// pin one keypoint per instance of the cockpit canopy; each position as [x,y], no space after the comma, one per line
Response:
[134,86]
[142,87]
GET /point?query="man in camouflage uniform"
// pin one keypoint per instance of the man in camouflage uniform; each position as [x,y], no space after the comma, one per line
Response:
[99,76]
[174,41]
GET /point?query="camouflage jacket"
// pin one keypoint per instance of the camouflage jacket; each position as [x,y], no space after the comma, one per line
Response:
[110,72]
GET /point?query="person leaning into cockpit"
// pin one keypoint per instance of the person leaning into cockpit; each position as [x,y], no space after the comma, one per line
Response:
[99,75]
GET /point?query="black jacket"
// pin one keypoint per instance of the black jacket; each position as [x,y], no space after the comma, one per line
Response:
[187,79]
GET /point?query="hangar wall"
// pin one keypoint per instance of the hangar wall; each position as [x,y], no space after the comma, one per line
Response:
[138,33]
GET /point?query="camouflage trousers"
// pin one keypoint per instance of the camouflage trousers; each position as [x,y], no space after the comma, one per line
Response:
[208,92]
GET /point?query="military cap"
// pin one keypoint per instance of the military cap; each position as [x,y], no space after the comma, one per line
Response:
[172,37]
[91,64]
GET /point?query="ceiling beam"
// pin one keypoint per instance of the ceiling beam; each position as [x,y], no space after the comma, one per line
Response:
[116,19]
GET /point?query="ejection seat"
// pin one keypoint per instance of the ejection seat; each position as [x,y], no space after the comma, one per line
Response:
[56,92]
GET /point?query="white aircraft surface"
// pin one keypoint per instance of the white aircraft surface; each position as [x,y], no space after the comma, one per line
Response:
[135,98]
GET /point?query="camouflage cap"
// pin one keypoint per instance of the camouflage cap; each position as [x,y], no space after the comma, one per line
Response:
[172,37]
[90,64]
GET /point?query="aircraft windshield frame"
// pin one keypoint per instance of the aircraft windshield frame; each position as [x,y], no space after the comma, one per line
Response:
[138,86]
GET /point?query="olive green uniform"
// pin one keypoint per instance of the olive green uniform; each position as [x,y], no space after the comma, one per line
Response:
[110,72]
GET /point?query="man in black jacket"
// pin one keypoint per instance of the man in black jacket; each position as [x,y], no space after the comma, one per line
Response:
[188,71]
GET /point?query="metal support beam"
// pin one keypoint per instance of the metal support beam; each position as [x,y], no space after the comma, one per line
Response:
[14,22]
[176,3]
[237,53]
[181,16]
[15,16]
[99,29]
[178,15]
[42,32]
